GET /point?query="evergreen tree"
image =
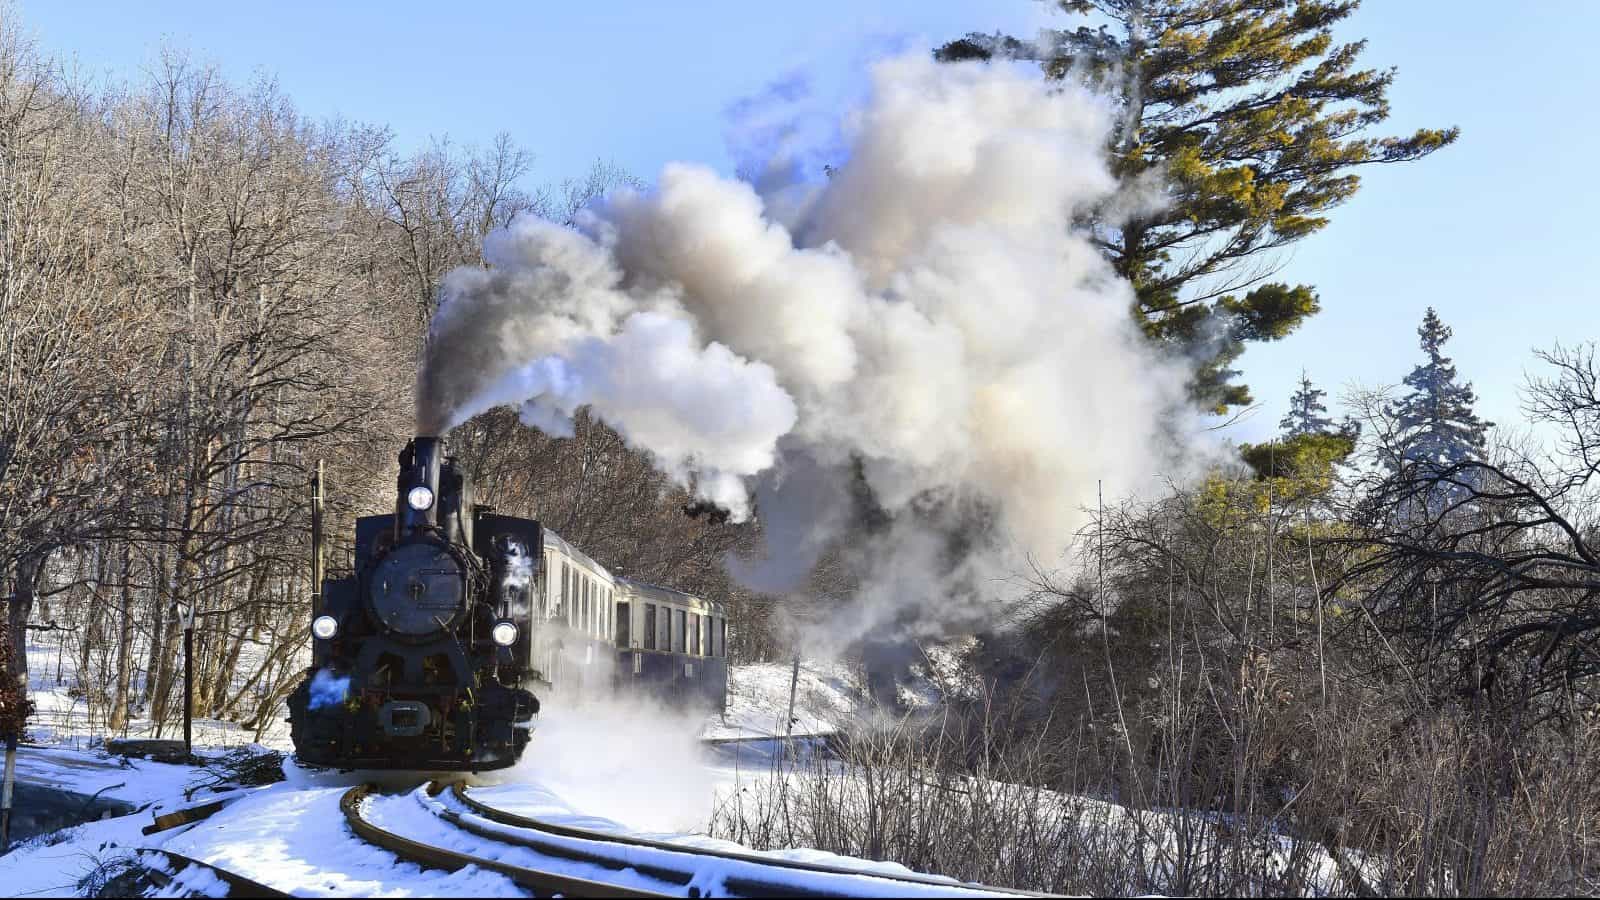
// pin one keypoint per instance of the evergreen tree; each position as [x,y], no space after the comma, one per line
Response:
[1312,447]
[1306,411]
[1249,119]
[1436,422]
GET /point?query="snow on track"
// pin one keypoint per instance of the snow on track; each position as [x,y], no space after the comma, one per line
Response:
[407,815]
[706,874]
[295,840]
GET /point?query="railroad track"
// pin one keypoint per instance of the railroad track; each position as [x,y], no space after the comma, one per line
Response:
[540,882]
[676,870]
[166,868]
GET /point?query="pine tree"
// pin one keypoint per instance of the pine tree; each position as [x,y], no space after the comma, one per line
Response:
[1306,411]
[1249,120]
[1436,422]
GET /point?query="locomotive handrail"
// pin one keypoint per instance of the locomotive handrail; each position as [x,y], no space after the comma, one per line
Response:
[749,888]
[545,883]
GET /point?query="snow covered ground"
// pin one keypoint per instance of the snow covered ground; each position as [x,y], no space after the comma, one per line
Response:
[63,716]
[89,774]
[828,694]
[292,836]
[628,767]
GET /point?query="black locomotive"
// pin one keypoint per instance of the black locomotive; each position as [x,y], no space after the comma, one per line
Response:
[427,655]
[420,659]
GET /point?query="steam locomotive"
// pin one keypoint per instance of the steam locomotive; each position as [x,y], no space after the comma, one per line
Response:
[428,655]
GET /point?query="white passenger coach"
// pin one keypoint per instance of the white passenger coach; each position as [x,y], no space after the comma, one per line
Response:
[596,630]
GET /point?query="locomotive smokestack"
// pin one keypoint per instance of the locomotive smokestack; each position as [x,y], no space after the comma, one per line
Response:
[419,483]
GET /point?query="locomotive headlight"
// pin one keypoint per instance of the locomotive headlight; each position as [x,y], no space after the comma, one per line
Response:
[420,497]
[324,627]
[504,634]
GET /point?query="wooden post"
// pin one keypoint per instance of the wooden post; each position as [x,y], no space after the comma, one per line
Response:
[794,682]
[318,558]
[188,690]
[186,611]
[5,793]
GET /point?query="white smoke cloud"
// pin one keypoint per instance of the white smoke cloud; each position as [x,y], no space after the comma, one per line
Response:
[929,319]
[703,412]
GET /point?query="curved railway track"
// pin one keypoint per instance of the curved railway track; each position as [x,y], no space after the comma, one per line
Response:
[681,870]
[677,869]
[176,864]
[540,882]
[744,887]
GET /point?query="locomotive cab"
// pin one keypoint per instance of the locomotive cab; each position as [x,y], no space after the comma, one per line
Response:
[420,657]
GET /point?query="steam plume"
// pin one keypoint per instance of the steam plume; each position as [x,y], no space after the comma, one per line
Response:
[929,322]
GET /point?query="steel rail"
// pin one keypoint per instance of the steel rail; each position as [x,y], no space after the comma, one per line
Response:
[742,885]
[541,883]
[238,885]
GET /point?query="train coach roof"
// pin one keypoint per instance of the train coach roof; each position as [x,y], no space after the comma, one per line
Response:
[557,541]
[642,588]
[667,595]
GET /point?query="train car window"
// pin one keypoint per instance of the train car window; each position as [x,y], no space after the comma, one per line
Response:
[649,626]
[722,637]
[588,608]
[678,632]
[624,623]
[664,639]
[540,588]
[694,635]
[568,594]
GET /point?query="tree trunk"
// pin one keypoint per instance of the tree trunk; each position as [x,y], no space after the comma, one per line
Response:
[24,593]
[118,719]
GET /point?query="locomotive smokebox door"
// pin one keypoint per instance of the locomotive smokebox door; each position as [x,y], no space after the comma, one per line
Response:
[418,590]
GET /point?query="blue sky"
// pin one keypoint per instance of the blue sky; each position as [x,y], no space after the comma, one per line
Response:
[1492,231]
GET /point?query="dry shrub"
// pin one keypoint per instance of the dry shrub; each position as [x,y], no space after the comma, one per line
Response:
[1270,793]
